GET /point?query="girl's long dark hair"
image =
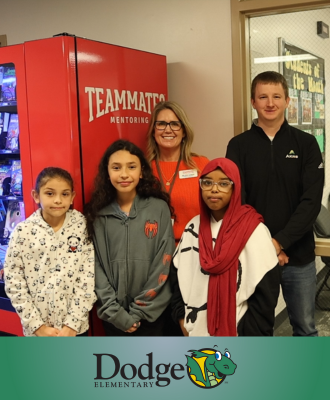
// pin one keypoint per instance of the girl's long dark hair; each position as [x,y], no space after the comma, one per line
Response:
[104,193]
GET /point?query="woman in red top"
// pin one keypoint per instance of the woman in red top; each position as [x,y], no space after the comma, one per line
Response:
[170,138]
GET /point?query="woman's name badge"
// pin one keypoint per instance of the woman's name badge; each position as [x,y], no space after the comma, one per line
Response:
[188,173]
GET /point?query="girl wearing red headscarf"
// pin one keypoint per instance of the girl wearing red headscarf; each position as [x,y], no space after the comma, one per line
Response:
[224,265]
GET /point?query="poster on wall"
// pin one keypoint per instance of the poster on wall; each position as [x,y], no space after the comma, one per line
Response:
[304,73]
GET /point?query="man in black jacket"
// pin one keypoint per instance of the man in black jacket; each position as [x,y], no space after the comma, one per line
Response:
[282,177]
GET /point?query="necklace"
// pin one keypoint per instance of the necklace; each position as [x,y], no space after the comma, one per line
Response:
[168,181]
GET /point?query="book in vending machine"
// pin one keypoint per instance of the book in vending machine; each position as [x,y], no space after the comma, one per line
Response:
[63,100]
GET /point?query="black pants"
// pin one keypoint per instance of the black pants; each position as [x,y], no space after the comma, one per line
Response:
[171,328]
[82,334]
[146,329]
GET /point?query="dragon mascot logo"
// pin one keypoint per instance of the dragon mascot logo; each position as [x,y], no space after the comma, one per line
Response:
[208,368]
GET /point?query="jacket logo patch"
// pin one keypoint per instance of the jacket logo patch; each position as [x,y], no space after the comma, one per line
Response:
[151,293]
[162,278]
[321,166]
[151,229]
[167,259]
[140,303]
[291,155]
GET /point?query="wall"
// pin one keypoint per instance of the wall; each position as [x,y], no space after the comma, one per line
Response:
[195,35]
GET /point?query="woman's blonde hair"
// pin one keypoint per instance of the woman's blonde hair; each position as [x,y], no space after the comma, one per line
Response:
[152,147]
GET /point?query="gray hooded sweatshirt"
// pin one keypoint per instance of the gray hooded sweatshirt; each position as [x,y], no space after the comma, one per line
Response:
[132,261]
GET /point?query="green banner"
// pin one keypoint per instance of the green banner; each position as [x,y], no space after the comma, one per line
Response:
[156,368]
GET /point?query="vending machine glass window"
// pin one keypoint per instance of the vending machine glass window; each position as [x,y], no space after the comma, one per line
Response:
[11,200]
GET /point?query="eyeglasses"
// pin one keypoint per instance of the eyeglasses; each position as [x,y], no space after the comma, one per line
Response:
[174,125]
[223,186]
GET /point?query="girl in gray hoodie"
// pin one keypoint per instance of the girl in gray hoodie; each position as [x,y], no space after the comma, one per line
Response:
[129,220]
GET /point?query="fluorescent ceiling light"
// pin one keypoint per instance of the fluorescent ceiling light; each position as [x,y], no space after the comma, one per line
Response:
[295,57]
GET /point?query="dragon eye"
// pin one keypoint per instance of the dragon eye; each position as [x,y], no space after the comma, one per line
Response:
[218,355]
[227,354]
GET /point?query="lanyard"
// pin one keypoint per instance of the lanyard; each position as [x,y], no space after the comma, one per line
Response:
[174,176]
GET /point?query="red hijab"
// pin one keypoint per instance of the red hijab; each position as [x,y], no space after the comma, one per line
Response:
[221,262]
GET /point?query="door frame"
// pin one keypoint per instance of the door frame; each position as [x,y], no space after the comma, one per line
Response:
[241,12]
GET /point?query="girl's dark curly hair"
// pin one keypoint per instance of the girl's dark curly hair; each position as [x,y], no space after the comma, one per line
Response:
[104,192]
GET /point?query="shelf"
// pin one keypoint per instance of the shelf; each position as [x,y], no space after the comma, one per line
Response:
[5,104]
[12,197]
[9,152]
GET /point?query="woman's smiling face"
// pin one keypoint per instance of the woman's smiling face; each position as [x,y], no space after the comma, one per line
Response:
[168,139]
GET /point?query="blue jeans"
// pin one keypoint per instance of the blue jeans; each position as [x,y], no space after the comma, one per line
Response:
[299,288]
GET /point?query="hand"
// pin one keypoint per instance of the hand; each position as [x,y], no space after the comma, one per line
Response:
[46,331]
[66,331]
[184,330]
[282,258]
[134,327]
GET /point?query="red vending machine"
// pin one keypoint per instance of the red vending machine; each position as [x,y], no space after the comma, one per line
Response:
[63,100]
